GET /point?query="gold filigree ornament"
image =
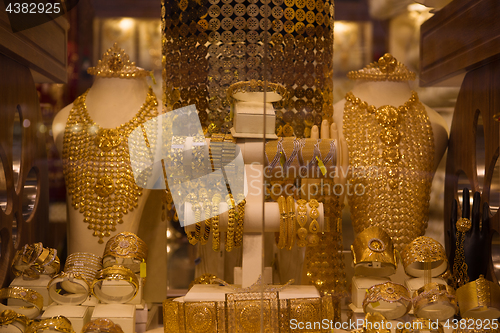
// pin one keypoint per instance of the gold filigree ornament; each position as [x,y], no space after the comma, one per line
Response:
[424,250]
[460,267]
[387,68]
[390,299]
[116,63]
[97,169]
[479,299]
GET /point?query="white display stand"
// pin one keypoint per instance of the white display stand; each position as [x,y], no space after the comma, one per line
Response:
[38,285]
[15,327]
[121,314]
[359,286]
[78,315]
[248,111]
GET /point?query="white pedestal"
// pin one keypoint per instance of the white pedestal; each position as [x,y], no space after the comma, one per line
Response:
[39,285]
[15,327]
[359,286]
[249,121]
[121,314]
[78,315]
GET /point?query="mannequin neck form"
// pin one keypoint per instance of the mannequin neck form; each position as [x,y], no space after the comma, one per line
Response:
[378,93]
[114,101]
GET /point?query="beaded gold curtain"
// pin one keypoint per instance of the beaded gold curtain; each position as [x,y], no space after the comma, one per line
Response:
[210,44]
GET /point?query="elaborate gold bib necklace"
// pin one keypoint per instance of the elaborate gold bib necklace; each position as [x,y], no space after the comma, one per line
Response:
[97,167]
[391,154]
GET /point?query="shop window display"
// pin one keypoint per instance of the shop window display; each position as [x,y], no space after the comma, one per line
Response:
[228,199]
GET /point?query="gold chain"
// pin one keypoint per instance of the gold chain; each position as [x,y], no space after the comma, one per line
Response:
[97,168]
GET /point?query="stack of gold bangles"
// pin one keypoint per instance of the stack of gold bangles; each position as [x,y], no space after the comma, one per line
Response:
[33,260]
[113,274]
[72,286]
[289,216]
[125,249]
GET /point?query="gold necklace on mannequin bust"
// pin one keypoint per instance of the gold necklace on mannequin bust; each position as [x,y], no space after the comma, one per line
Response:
[97,166]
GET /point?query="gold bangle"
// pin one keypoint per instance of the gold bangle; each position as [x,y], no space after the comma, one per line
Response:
[215,222]
[424,250]
[291,222]
[119,273]
[230,222]
[479,299]
[75,283]
[313,238]
[83,263]
[125,249]
[8,317]
[373,245]
[59,323]
[434,301]
[101,325]
[238,238]
[33,260]
[27,295]
[283,217]
[302,220]
[207,209]
[387,292]
[255,86]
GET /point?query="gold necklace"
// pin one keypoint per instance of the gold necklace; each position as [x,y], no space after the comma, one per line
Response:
[97,166]
[391,154]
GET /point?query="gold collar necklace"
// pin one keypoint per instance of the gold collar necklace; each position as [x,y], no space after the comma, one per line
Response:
[391,154]
[97,168]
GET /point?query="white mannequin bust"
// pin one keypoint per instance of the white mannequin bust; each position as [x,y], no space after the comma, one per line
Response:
[110,102]
[380,93]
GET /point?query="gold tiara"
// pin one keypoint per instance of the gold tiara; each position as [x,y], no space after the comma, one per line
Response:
[116,63]
[387,68]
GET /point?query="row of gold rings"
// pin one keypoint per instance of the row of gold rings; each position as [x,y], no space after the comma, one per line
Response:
[101,325]
[27,295]
[32,260]
[126,249]
[114,273]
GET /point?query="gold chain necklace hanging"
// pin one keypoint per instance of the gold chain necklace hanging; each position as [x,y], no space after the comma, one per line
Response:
[391,154]
[97,166]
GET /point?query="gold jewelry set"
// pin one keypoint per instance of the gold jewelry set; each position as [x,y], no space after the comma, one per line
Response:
[96,160]
[84,273]
[33,260]
[289,217]
[209,47]
[391,153]
[241,312]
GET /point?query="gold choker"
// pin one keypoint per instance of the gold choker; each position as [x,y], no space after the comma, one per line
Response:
[97,168]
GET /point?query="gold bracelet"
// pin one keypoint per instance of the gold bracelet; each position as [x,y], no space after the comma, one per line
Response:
[207,209]
[283,217]
[230,223]
[116,273]
[313,238]
[291,222]
[83,263]
[479,299]
[125,249]
[34,260]
[8,317]
[76,284]
[424,250]
[216,199]
[302,220]
[101,325]
[387,292]
[373,245]
[27,295]
[238,238]
[434,301]
[59,323]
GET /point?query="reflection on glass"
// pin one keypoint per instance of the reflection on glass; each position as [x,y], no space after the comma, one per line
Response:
[15,230]
[17,140]
[3,187]
[463,182]
[480,155]
[29,194]
[495,188]
[495,254]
